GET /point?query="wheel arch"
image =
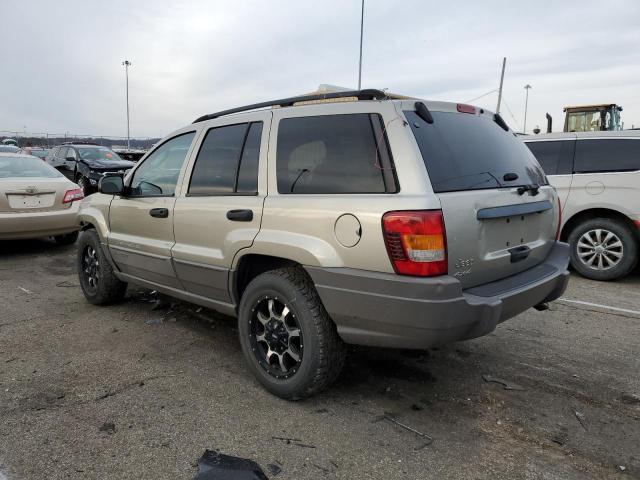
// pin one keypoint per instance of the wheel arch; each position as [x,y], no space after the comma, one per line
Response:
[592,213]
[249,266]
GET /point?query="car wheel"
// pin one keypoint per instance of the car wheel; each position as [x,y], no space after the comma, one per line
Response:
[66,239]
[84,184]
[99,285]
[603,249]
[287,337]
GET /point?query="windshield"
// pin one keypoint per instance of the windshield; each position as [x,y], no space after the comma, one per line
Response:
[102,154]
[25,167]
[472,152]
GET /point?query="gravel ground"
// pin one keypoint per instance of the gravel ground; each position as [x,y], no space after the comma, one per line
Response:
[130,392]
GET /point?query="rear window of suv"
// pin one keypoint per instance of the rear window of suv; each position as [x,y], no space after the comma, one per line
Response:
[471,152]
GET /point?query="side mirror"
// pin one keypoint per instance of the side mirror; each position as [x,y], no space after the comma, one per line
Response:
[70,159]
[111,185]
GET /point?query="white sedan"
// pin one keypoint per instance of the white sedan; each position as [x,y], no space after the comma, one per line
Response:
[36,200]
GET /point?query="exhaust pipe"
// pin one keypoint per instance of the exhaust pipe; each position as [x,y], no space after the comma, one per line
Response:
[549,122]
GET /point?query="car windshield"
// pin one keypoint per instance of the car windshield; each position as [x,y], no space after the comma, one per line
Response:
[98,153]
[26,167]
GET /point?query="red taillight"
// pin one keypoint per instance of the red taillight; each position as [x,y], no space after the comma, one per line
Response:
[559,219]
[462,108]
[71,195]
[637,222]
[416,242]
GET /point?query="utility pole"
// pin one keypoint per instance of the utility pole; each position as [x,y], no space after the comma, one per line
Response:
[527,87]
[127,64]
[361,32]
[504,64]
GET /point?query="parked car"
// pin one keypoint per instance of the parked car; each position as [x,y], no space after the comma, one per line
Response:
[9,149]
[131,154]
[39,152]
[597,176]
[36,200]
[378,221]
[86,163]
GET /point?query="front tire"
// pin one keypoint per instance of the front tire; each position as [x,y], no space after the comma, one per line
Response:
[85,185]
[603,249]
[288,340]
[97,280]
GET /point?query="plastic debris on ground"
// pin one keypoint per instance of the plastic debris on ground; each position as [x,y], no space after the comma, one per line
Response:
[217,466]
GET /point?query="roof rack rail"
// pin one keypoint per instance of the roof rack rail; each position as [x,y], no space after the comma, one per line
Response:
[368,94]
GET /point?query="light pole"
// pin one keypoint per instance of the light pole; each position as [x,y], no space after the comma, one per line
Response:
[361,32]
[127,64]
[527,87]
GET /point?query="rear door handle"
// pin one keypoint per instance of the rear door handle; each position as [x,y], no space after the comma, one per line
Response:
[159,212]
[240,215]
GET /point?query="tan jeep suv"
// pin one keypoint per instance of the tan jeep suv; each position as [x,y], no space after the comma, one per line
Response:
[350,217]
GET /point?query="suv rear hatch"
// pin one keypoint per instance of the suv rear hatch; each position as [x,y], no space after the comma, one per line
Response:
[497,222]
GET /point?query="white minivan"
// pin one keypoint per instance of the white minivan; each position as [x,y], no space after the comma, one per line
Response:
[597,176]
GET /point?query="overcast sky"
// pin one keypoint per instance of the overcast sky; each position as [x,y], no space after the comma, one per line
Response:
[62,60]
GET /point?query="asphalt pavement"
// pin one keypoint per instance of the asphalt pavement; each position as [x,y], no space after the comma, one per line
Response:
[126,391]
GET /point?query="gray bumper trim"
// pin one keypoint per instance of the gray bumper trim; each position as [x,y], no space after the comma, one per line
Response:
[388,310]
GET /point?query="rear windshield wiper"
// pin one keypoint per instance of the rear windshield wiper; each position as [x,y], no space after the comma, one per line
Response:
[532,188]
[500,121]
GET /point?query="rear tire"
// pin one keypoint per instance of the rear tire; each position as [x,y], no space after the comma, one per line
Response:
[291,366]
[99,285]
[603,249]
[66,239]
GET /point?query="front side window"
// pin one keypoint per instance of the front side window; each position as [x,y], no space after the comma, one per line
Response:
[330,154]
[158,174]
[71,153]
[600,155]
[227,162]
[555,157]
[63,152]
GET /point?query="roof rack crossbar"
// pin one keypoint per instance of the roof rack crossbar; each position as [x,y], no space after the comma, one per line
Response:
[368,94]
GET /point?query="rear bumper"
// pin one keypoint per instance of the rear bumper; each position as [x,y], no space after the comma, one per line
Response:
[39,224]
[388,310]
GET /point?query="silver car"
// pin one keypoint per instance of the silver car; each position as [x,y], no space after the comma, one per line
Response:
[36,200]
[350,217]
[597,175]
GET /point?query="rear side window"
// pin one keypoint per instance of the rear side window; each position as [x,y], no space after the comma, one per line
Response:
[227,162]
[556,157]
[471,152]
[333,154]
[597,155]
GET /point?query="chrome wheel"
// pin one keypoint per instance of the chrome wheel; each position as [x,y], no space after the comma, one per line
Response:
[276,337]
[91,267]
[600,249]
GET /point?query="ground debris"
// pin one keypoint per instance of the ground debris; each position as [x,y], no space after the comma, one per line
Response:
[632,398]
[507,385]
[217,466]
[66,284]
[274,468]
[390,417]
[108,427]
[581,418]
[293,441]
